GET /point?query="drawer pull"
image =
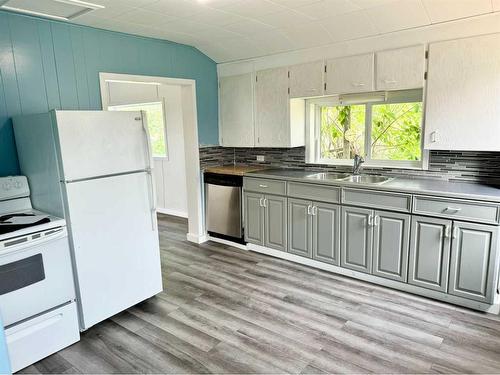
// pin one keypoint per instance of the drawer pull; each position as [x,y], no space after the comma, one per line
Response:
[263,186]
[390,81]
[453,209]
[358,84]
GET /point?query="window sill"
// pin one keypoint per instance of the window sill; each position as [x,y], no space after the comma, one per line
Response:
[372,165]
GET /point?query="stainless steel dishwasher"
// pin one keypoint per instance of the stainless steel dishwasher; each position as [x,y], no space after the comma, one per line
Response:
[223,197]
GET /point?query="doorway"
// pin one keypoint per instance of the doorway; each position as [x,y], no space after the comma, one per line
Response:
[170,105]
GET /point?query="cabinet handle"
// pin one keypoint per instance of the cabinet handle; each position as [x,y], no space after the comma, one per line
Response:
[370,220]
[260,202]
[434,136]
[455,234]
[309,209]
[453,209]
[315,210]
[447,231]
[265,202]
[358,84]
[377,220]
[263,186]
[390,81]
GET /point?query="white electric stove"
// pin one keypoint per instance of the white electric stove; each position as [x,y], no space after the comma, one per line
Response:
[37,293]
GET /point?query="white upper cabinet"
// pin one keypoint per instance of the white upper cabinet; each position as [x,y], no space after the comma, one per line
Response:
[463,95]
[307,79]
[236,111]
[278,124]
[350,74]
[400,69]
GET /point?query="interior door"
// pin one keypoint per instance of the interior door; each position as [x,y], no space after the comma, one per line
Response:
[115,244]
[100,143]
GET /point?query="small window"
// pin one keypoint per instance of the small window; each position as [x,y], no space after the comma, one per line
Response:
[383,127]
[155,115]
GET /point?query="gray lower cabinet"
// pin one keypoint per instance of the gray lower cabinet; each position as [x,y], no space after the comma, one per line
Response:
[473,266]
[300,227]
[254,218]
[356,239]
[430,253]
[391,243]
[326,233]
[275,222]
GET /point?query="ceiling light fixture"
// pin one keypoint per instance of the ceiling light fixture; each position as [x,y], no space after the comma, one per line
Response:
[64,10]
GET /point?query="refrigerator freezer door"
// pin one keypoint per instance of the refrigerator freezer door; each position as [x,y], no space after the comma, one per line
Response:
[115,244]
[100,143]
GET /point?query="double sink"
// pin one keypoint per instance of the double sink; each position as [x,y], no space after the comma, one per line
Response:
[355,178]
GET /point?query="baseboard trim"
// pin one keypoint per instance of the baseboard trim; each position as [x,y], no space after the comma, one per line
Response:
[168,211]
[198,239]
[227,242]
[412,289]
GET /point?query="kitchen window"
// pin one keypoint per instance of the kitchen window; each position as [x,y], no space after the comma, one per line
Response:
[155,115]
[385,128]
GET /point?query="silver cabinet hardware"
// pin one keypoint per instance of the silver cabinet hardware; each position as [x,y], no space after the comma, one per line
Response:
[263,186]
[315,210]
[309,209]
[453,209]
[447,231]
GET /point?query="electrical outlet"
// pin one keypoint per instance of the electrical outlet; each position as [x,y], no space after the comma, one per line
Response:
[261,158]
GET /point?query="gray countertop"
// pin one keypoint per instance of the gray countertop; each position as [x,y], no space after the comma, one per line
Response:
[400,184]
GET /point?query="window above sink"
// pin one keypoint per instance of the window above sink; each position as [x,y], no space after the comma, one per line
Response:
[385,128]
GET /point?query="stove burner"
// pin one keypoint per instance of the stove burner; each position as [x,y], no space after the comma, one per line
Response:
[6,226]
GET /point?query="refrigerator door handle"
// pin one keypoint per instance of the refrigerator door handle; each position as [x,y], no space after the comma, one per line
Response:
[152,192]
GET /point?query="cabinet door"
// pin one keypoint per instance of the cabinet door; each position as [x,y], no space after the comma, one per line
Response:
[430,253]
[357,237]
[307,79]
[275,222]
[299,227]
[350,74]
[473,261]
[236,111]
[401,68]
[391,243]
[463,89]
[272,105]
[254,218]
[326,233]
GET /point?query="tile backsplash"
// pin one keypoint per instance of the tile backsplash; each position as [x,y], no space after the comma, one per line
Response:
[470,166]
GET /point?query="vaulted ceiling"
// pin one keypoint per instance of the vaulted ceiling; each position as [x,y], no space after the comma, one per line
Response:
[228,30]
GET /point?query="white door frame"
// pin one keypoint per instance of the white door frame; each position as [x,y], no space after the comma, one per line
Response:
[196,232]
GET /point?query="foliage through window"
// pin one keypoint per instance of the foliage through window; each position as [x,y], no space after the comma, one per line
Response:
[384,128]
[156,124]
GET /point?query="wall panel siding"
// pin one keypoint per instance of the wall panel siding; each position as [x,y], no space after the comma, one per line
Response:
[47,64]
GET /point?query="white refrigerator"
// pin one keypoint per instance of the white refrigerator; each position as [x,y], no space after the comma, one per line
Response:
[94,168]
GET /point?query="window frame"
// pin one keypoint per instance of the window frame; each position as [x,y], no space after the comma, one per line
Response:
[313,148]
[164,106]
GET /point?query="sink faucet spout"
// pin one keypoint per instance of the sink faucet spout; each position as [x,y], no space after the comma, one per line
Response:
[358,160]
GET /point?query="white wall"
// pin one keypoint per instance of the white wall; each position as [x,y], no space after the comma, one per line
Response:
[170,173]
[486,24]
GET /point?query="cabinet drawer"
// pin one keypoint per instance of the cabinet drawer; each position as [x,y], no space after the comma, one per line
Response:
[313,192]
[266,186]
[377,199]
[457,209]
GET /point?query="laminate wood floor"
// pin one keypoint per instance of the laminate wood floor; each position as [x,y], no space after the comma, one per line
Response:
[226,310]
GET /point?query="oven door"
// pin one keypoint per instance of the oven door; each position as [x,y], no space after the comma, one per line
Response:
[35,274]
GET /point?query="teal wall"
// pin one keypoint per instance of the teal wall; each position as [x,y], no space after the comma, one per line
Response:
[55,65]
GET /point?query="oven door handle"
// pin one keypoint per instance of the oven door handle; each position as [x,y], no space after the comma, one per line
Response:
[14,245]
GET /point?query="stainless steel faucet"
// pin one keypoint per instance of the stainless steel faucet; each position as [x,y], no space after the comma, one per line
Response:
[358,160]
